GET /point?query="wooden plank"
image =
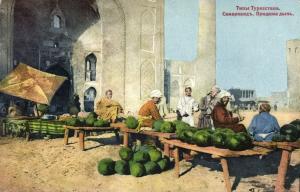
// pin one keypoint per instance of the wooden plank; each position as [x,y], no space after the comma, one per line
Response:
[281,145]
[226,174]
[148,132]
[282,169]
[90,128]
[123,128]
[118,125]
[217,151]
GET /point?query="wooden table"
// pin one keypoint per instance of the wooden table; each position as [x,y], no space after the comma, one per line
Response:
[83,130]
[218,153]
[287,148]
[126,131]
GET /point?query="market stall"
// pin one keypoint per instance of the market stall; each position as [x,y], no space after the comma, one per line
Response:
[82,133]
[143,131]
[217,153]
[287,149]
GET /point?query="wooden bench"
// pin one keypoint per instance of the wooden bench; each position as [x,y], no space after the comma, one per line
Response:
[82,132]
[287,148]
[126,132]
[217,153]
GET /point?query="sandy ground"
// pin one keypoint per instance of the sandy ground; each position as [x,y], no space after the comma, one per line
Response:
[48,165]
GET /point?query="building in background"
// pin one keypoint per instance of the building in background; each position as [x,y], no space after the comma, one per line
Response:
[244,98]
[98,45]
[293,66]
[199,74]
[280,99]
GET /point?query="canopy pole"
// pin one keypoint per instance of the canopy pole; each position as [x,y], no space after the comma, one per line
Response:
[37,111]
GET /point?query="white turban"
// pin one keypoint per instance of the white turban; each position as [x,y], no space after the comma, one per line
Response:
[224,93]
[216,88]
[155,93]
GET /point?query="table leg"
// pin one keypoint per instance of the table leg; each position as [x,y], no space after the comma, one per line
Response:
[167,149]
[66,136]
[282,169]
[81,139]
[226,174]
[176,158]
[125,139]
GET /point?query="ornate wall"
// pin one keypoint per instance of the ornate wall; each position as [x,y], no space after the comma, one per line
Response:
[200,74]
[6,36]
[126,39]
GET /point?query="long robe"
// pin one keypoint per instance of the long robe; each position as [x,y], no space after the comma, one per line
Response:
[206,106]
[223,118]
[151,112]
[187,105]
[108,109]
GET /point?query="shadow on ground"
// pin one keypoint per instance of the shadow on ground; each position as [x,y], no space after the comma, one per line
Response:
[244,167]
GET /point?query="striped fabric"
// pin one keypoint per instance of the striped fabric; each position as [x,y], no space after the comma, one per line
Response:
[46,127]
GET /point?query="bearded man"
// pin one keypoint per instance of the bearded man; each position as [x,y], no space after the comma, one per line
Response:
[222,118]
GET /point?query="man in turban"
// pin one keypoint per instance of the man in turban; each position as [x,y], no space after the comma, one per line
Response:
[222,118]
[264,125]
[107,108]
[207,104]
[149,111]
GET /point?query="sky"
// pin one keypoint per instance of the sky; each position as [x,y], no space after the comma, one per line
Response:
[250,50]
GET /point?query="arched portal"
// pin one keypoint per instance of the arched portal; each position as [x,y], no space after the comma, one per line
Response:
[59,102]
[89,99]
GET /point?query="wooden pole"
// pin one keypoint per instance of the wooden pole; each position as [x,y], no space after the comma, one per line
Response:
[37,111]
[81,139]
[226,174]
[282,169]
[125,139]
[176,157]
[66,136]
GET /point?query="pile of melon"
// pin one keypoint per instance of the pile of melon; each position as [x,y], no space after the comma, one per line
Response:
[141,161]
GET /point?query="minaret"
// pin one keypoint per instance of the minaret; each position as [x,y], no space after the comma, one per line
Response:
[200,73]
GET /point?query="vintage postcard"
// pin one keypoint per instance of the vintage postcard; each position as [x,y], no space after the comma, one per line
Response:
[149,95]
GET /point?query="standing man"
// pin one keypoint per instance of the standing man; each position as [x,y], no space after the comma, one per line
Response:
[206,106]
[187,106]
[149,111]
[223,118]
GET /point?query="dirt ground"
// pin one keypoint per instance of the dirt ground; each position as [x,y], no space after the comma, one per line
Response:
[48,165]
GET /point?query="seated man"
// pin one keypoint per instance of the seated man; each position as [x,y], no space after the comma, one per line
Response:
[149,111]
[107,108]
[222,118]
[263,125]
